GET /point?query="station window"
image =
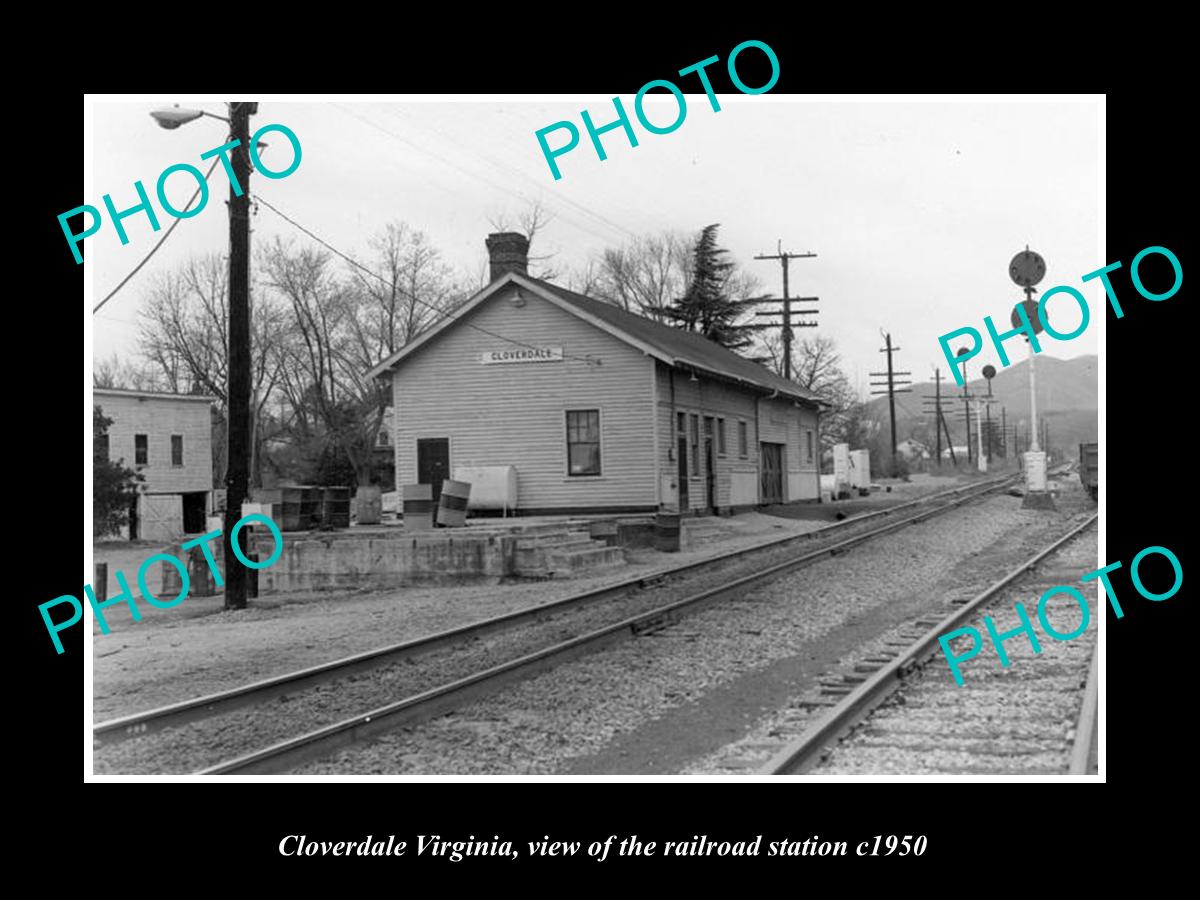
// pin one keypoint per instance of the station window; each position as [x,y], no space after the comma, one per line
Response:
[101,447]
[177,449]
[743,441]
[695,443]
[808,446]
[583,441]
[681,423]
[721,436]
[141,450]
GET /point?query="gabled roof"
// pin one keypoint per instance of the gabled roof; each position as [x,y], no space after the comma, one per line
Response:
[673,346]
[151,395]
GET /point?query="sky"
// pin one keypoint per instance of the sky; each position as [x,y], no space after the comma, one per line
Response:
[913,208]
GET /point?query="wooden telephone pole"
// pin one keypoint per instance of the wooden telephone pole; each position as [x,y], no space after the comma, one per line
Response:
[237,463]
[893,387]
[786,311]
[939,422]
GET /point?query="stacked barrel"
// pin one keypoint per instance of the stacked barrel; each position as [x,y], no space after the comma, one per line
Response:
[452,509]
[418,507]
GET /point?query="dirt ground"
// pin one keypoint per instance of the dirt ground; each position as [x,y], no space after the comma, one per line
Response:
[198,647]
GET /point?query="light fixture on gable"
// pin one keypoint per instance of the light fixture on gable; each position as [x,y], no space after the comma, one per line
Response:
[517,300]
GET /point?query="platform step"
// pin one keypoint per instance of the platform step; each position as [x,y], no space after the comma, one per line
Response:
[581,559]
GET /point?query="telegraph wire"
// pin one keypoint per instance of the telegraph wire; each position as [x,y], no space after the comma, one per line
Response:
[441,312]
[500,164]
[154,249]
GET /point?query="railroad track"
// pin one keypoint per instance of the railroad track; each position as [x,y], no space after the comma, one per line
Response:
[290,753]
[175,714]
[902,714]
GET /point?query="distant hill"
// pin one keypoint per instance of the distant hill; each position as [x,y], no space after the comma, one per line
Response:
[1067,392]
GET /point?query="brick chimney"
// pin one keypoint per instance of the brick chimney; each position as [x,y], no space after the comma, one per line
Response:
[508,251]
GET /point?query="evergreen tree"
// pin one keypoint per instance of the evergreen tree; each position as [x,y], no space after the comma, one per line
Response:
[707,307]
[114,487]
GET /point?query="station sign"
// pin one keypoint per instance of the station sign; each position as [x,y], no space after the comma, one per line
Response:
[522,355]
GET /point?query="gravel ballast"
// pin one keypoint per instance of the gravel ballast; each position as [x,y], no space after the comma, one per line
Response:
[549,722]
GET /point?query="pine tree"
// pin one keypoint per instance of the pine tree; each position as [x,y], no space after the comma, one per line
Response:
[707,307]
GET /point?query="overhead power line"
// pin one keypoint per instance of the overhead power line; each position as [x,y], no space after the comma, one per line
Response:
[154,249]
[441,312]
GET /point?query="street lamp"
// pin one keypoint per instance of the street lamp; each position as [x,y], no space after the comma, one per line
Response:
[171,117]
[237,465]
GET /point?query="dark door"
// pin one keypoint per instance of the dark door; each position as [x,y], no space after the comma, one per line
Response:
[133,519]
[433,464]
[771,474]
[193,512]
[710,464]
[681,453]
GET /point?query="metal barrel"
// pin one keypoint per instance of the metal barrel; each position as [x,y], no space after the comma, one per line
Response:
[200,575]
[336,507]
[666,532]
[368,504]
[452,508]
[418,507]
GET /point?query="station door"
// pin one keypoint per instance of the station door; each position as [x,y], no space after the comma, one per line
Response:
[770,473]
[433,464]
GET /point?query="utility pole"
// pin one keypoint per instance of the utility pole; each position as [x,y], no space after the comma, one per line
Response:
[1003,433]
[939,421]
[237,467]
[937,407]
[786,311]
[891,388]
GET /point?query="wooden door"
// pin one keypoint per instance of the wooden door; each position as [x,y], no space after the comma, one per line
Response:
[710,463]
[681,450]
[771,473]
[433,464]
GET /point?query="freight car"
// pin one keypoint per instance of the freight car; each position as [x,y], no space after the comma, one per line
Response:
[1089,468]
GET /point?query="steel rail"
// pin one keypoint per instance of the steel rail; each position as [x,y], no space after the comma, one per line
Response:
[288,754]
[809,748]
[1085,727]
[185,711]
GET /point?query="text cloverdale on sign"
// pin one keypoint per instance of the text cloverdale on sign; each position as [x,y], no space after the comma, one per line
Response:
[523,355]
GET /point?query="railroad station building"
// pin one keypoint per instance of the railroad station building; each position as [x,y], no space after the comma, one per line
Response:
[168,439]
[595,409]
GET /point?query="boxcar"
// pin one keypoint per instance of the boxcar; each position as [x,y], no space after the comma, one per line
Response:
[1089,468]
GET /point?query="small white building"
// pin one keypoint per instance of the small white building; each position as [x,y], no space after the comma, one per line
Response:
[913,449]
[168,439]
[597,410]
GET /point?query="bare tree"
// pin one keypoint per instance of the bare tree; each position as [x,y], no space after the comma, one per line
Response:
[817,366]
[646,274]
[531,222]
[323,378]
[407,290]
[183,336]
[113,372]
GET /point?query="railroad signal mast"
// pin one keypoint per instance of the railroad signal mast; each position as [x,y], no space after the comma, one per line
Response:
[1027,269]
[985,456]
[966,399]
[785,311]
[894,385]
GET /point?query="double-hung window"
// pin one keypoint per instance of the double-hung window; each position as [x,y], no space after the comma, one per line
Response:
[583,442]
